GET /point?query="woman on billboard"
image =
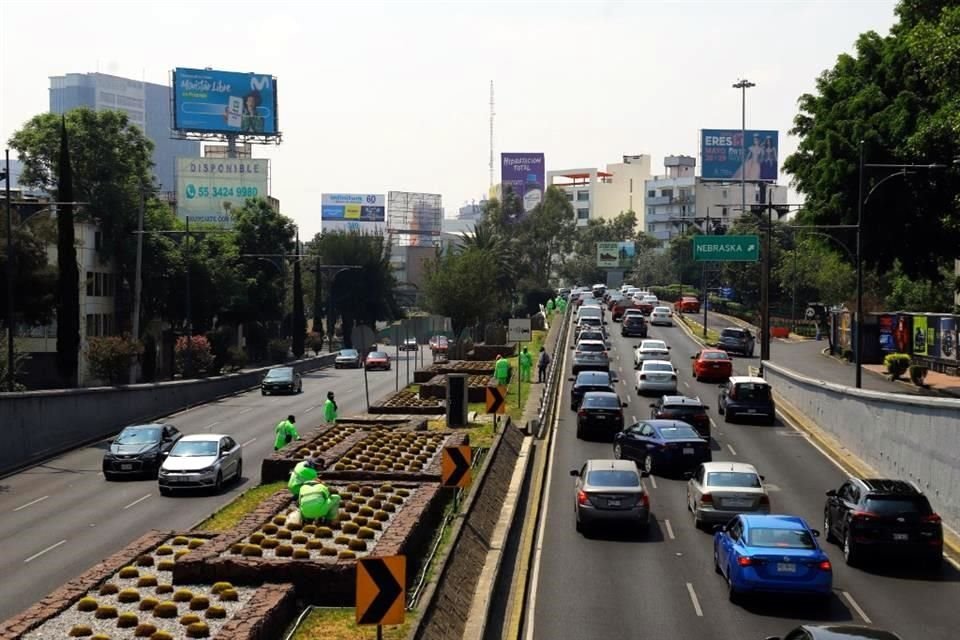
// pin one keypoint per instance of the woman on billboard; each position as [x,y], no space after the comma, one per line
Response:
[251,121]
[750,169]
[768,160]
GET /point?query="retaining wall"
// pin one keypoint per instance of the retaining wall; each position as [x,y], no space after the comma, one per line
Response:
[910,437]
[35,425]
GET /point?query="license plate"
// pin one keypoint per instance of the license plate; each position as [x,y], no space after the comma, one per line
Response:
[688,451]
[176,479]
[613,503]
[738,502]
[714,366]
[126,467]
[751,410]
[601,417]
[901,536]
[786,567]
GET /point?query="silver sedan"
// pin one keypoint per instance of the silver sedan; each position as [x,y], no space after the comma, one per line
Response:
[657,377]
[718,491]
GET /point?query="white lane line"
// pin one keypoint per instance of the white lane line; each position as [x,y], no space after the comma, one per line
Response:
[247,410]
[31,503]
[856,607]
[136,502]
[310,409]
[248,442]
[653,481]
[732,450]
[670,535]
[686,384]
[694,600]
[212,425]
[40,553]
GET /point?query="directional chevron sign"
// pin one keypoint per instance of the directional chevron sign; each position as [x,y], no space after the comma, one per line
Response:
[495,399]
[726,248]
[455,466]
[381,590]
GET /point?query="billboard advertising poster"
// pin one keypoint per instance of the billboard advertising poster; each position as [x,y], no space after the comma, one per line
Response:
[523,173]
[933,336]
[948,338]
[353,212]
[920,335]
[886,324]
[414,216]
[207,189]
[209,101]
[616,255]
[724,156]
[903,333]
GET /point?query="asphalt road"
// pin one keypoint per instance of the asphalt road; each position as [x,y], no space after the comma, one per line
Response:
[663,586]
[61,517]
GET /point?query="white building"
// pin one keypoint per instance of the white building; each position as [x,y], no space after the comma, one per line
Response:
[605,194]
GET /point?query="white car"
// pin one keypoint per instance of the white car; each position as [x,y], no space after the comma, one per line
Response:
[661,316]
[718,491]
[201,461]
[656,376]
[650,350]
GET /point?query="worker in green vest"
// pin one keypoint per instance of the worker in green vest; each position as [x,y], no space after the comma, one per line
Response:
[286,433]
[550,306]
[330,409]
[317,503]
[304,472]
[525,360]
[501,370]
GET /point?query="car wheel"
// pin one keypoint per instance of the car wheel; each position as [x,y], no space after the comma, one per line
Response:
[579,432]
[218,487]
[728,416]
[827,533]
[732,594]
[933,561]
[109,477]
[164,491]
[716,561]
[648,464]
[263,393]
[617,452]
[851,554]
[239,475]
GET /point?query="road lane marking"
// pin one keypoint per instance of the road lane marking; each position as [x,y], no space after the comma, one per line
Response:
[31,503]
[670,535]
[856,607]
[686,384]
[247,410]
[40,553]
[310,409]
[732,450]
[249,442]
[694,600]
[136,502]
[653,481]
[212,425]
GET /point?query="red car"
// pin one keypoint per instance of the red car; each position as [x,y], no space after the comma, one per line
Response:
[712,364]
[439,344]
[622,305]
[687,304]
[377,360]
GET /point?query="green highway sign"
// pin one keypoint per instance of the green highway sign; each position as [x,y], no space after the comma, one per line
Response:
[726,248]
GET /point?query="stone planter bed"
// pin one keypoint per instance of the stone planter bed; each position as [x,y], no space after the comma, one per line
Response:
[133,594]
[328,443]
[375,519]
[405,401]
[395,457]
[470,367]
[436,387]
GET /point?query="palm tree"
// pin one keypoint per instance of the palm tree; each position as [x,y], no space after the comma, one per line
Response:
[486,238]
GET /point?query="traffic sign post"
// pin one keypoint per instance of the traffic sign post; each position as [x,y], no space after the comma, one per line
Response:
[519,330]
[455,466]
[381,591]
[726,248]
[496,402]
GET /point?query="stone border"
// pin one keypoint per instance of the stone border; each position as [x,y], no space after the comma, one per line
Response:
[265,616]
[430,474]
[472,367]
[321,581]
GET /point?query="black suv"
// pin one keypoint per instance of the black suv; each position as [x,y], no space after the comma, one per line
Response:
[737,340]
[874,514]
[746,397]
[689,410]
[634,325]
[600,411]
[590,381]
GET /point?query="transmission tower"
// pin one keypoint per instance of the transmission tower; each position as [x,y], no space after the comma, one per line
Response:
[492,114]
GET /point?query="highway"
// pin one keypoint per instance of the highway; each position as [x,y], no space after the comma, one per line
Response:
[61,517]
[663,585]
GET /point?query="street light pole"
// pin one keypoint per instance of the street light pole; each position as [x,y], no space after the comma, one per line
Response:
[9,319]
[138,281]
[743,84]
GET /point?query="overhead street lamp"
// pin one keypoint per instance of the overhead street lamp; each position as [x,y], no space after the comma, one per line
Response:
[743,84]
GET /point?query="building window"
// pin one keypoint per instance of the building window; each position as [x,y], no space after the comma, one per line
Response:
[583,214]
[683,210]
[723,212]
[570,195]
[583,196]
[651,228]
[90,327]
[108,98]
[724,194]
[89,283]
[666,193]
[652,193]
[650,211]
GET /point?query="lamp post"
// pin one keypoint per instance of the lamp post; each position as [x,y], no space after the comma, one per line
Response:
[743,84]
[9,319]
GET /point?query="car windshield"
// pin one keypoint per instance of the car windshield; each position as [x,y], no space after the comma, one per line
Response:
[732,333]
[279,374]
[655,345]
[613,478]
[895,505]
[752,391]
[684,409]
[601,401]
[634,319]
[602,380]
[677,433]
[139,435]
[741,479]
[590,347]
[715,355]
[780,538]
[380,355]
[350,353]
[661,310]
[657,366]
[194,448]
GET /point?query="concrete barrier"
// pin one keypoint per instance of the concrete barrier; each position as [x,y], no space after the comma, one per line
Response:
[910,437]
[36,425]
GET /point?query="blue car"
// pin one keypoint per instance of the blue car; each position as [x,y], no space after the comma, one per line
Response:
[768,553]
[662,445]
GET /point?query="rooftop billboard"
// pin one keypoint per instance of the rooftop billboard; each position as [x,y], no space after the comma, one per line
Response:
[362,212]
[616,255]
[225,102]
[207,189]
[722,154]
[523,173]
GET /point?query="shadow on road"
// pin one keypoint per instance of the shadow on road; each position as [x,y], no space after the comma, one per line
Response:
[774,605]
[905,569]
[622,533]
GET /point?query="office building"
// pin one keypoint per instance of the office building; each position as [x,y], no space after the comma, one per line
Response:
[146,104]
[597,194]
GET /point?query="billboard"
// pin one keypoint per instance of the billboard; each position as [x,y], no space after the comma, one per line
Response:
[920,338]
[948,338]
[414,216]
[208,101]
[207,189]
[903,333]
[363,212]
[616,255]
[722,155]
[886,324]
[524,174]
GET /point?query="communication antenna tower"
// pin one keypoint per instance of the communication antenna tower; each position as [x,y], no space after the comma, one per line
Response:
[492,114]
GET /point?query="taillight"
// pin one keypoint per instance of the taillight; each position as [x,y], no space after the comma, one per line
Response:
[706,499]
[582,497]
[582,413]
[765,500]
[744,562]
[825,566]
[862,516]
[643,376]
[645,499]
[933,518]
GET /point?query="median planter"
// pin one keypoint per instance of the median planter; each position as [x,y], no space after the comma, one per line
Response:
[395,456]
[375,519]
[408,402]
[436,387]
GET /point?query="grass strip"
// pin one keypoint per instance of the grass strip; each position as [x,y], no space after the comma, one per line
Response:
[340,623]
[232,513]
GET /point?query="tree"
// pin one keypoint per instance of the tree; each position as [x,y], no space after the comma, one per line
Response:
[35,279]
[546,234]
[299,329]
[68,278]
[485,237]
[110,357]
[461,286]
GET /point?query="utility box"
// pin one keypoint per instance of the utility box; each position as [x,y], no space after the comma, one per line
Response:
[457,400]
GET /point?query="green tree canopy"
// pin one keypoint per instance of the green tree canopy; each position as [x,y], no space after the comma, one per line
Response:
[459,286]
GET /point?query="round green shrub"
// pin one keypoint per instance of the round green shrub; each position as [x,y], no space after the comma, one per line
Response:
[144,630]
[128,572]
[299,538]
[366,491]
[350,528]
[324,532]
[381,516]
[128,595]
[127,620]
[189,618]
[310,529]
[283,551]
[301,554]
[403,492]
[270,529]
[147,581]
[375,525]
[375,503]
[229,595]
[215,612]
[357,545]
[386,488]
[256,538]
[147,604]
[100,636]
[87,604]
[165,565]
[179,541]
[353,487]
[161,635]
[108,589]
[166,609]
[164,588]
[294,526]
[328,551]
[220,586]
[252,550]
[342,540]
[105,612]
[279,520]
[237,548]
[164,550]
[80,630]
[361,521]
[270,543]
[365,533]
[346,555]
[195,543]
[145,561]
[314,543]
[199,603]
[389,507]
[198,630]
[180,553]
[284,534]
[183,595]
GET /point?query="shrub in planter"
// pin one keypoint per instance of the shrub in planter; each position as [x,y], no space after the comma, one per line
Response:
[229,595]
[216,612]
[220,586]
[109,589]
[161,635]
[198,630]
[110,357]
[195,543]
[918,374]
[164,550]
[80,630]
[301,554]
[199,603]
[180,541]
[147,604]
[183,595]
[127,620]
[283,551]
[129,572]
[147,581]
[164,588]
[200,355]
[105,612]
[128,596]
[896,364]
[87,604]
[145,561]
[189,618]
[144,630]
[165,565]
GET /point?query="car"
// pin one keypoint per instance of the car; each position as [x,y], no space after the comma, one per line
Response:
[612,300]
[610,492]
[592,322]
[599,290]
[746,396]
[377,360]
[661,316]
[586,381]
[588,311]
[410,344]
[771,553]
[281,380]
[657,445]
[882,516]
[689,410]
[201,461]
[687,304]
[439,344]
[737,340]
[139,450]
[590,355]
[621,306]
[650,350]
[586,332]
[836,632]
[600,414]
[634,325]
[657,376]
[647,303]
[717,491]
[712,364]
[347,358]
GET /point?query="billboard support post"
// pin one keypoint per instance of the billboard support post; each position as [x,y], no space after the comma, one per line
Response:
[706,294]
[138,280]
